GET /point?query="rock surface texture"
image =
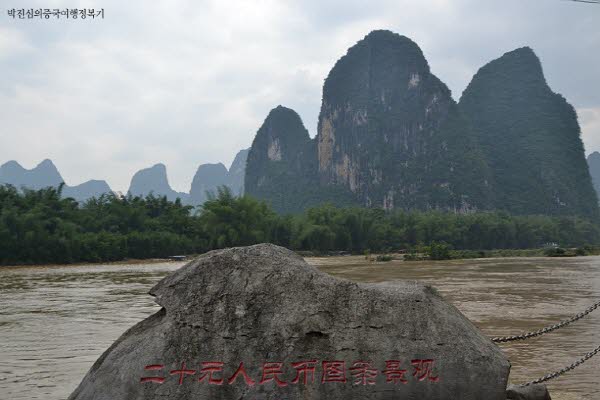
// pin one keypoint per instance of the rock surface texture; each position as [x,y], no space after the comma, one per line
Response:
[531,392]
[390,132]
[265,307]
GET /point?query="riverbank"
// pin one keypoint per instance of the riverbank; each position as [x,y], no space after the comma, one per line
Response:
[421,254]
[439,252]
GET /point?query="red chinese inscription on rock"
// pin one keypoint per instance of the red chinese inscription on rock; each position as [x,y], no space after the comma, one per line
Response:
[302,372]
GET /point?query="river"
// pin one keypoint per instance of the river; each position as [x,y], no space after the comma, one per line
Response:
[56,321]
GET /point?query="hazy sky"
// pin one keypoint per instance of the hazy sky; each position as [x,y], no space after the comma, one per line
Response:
[189,82]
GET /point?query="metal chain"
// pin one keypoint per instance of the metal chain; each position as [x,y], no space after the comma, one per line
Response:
[547,329]
[564,370]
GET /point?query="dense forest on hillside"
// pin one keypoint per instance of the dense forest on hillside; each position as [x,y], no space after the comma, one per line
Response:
[41,227]
[530,137]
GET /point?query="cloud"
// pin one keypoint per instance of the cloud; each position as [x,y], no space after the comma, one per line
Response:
[187,82]
[12,43]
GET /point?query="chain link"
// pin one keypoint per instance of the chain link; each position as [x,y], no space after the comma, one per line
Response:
[565,369]
[547,329]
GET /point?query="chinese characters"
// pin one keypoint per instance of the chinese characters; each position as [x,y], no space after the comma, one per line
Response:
[360,372]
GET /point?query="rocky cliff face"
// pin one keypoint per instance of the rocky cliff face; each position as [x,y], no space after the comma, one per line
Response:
[593,161]
[389,135]
[530,137]
[281,161]
[280,137]
[46,175]
[237,172]
[390,132]
[154,180]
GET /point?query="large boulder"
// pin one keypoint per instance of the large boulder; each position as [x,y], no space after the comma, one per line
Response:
[233,319]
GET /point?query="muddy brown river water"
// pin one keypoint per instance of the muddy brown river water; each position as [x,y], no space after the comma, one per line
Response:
[56,321]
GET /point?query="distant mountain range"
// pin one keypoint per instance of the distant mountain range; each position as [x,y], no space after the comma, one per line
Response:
[208,178]
[46,174]
[391,136]
[149,180]
[154,180]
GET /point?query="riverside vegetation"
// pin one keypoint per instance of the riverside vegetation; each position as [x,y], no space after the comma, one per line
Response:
[42,227]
